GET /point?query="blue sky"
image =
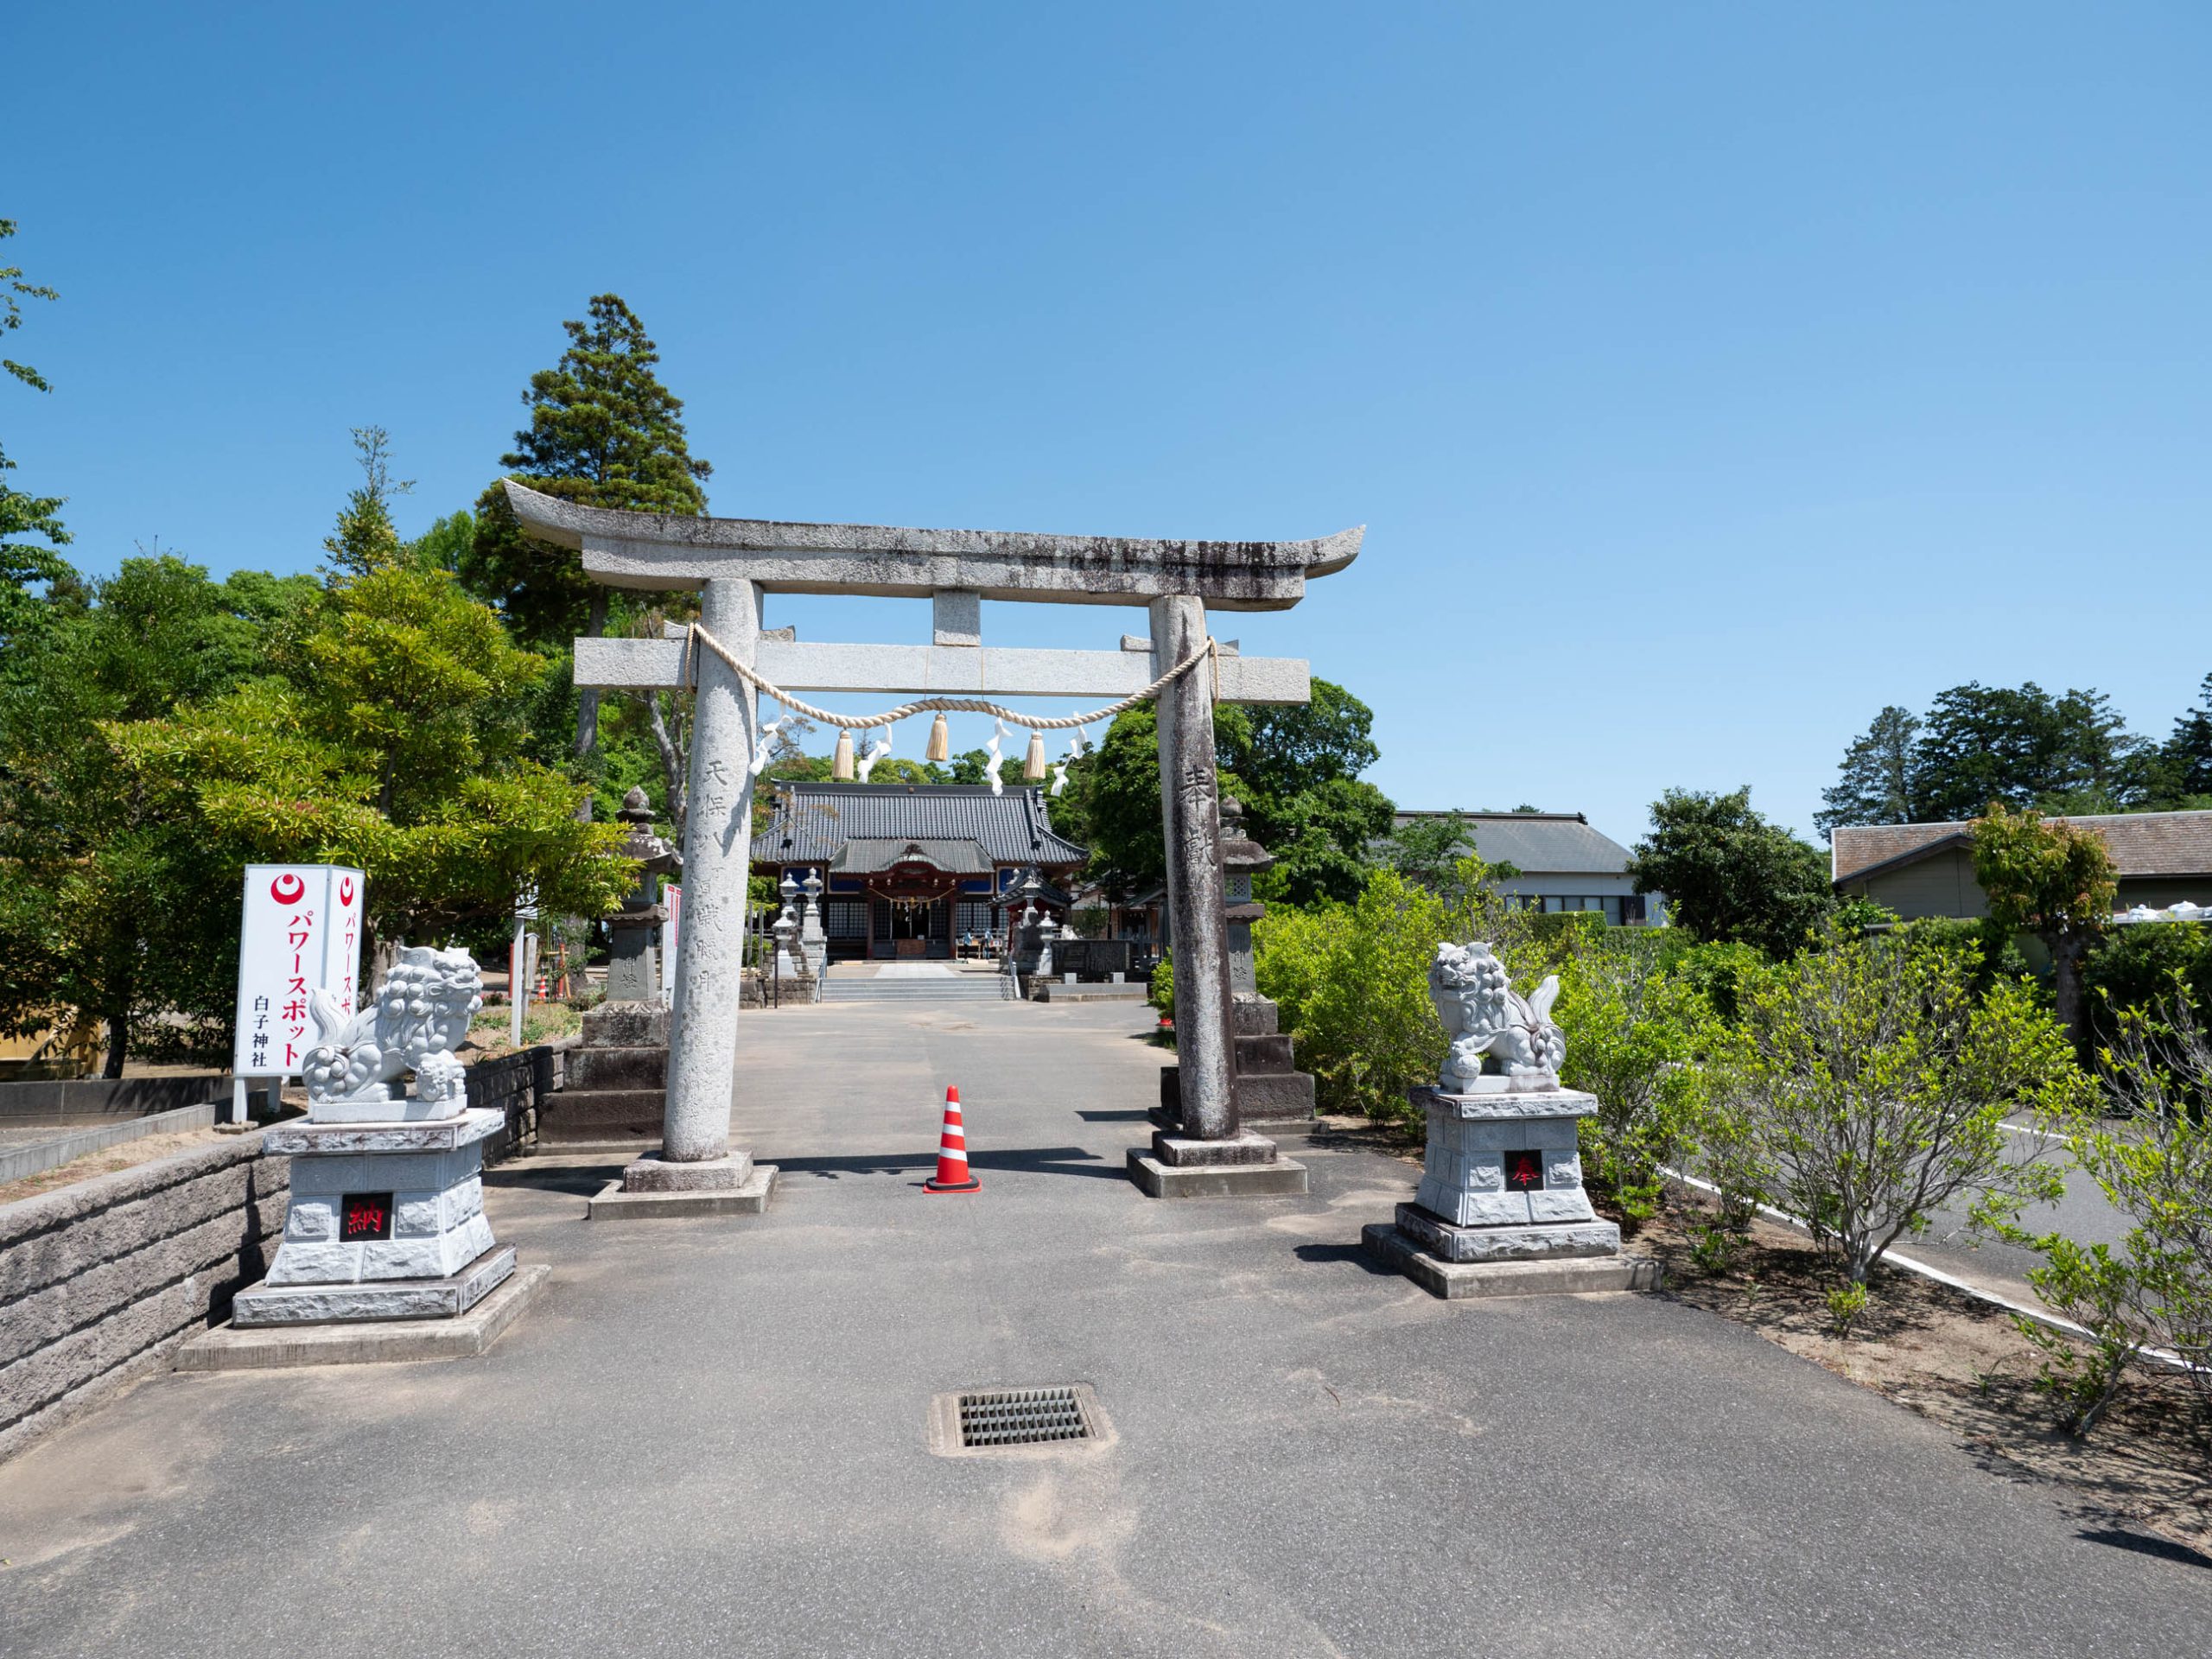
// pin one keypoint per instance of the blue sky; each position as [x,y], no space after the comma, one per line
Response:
[1707,377]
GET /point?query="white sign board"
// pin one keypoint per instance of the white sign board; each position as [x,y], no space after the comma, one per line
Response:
[671,898]
[302,932]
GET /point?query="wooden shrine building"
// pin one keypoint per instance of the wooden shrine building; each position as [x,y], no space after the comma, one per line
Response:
[915,870]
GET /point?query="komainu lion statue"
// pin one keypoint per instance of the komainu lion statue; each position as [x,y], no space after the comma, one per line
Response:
[420,1016]
[1484,1016]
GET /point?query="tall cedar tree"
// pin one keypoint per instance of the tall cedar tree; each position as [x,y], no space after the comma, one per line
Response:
[24,562]
[365,539]
[603,431]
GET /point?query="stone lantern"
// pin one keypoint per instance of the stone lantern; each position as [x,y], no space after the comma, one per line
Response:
[1269,1088]
[616,1089]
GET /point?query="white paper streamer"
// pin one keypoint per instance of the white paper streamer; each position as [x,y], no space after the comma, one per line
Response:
[767,742]
[874,752]
[998,784]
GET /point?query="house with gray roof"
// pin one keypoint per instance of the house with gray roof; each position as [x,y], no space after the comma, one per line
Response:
[1561,863]
[1927,870]
[909,870]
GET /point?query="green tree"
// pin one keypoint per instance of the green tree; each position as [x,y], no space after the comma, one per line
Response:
[2053,879]
[24,564]
[365,539]
[115,917]
[1351,983]
[2181,773]
[392,739]
[1729,874]
[1876,780]
[604,431]
[446,544]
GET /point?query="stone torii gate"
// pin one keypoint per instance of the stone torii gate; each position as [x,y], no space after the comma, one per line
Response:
[732,562]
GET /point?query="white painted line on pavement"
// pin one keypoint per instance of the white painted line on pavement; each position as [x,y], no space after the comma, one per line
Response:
[2041,1316]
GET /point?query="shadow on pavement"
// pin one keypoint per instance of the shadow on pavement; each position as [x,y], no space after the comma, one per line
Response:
[1350,1253]
[582,1179]
[1044,1161]
[2165,1549]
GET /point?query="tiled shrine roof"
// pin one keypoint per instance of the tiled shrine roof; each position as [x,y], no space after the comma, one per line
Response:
[861,855]
[816,823]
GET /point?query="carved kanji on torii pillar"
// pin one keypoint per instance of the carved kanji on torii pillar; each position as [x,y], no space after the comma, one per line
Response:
[732,562]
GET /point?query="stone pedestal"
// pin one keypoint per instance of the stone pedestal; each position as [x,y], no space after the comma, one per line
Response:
[1243,1164]
[1501,1189]
[616,1093]
[385,1222]
[653,1188]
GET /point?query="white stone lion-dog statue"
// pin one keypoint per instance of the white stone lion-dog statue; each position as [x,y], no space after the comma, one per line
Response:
[1485,1018]
[420,1016]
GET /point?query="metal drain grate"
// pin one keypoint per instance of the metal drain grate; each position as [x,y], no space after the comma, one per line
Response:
[1021,1417]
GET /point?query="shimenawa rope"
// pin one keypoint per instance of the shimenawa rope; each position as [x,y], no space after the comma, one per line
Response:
[1207,651]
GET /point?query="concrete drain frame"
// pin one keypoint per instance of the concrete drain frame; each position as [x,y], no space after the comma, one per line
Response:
[1047,1420]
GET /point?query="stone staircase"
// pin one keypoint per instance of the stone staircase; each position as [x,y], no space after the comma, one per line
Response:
[907,988]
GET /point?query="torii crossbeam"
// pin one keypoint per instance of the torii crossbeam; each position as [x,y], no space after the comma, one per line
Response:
[731,562]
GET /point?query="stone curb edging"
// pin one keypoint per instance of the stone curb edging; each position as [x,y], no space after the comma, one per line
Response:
[41,1155]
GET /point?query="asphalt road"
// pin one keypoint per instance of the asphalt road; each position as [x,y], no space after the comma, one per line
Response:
[711,1440]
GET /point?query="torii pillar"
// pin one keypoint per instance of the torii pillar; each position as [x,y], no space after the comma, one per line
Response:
[732,562]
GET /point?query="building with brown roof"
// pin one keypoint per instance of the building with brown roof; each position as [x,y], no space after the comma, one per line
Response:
[1927,870]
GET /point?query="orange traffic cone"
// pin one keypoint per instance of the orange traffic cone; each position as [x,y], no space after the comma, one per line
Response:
[952,1174]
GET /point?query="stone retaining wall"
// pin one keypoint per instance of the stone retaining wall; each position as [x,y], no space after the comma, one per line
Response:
[99,1281]
[516,1085]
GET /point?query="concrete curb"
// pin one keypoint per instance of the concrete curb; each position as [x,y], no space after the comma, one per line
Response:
[270,1348]
[41,1155]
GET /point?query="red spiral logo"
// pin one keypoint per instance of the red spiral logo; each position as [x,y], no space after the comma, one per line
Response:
[345,889]
[288,889]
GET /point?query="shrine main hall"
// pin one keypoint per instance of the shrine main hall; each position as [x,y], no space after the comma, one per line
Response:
[909,870]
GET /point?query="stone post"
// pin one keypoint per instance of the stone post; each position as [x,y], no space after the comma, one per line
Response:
[696,1163]
[1189,814]
[1208,1153]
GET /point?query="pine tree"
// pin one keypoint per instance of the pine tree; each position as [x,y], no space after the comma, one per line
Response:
[604,431]
[2181,774]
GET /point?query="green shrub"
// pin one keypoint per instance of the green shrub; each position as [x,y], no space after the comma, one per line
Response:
[1352,984]
[2155,1168]
[1634,1033]
[2144,965]
[1162,994]
[1988,943]
[1867,1087]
